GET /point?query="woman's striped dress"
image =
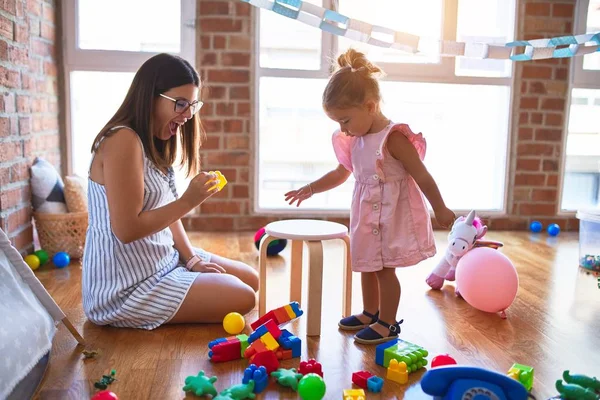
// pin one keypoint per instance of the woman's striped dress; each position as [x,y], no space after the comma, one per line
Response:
[140,284]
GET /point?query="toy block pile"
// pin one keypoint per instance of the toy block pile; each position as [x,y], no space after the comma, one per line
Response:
[411,354]
[266,345]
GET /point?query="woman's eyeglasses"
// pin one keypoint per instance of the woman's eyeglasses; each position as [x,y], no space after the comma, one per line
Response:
[182,105]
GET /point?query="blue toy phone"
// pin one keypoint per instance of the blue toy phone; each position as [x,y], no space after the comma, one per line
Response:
[457,382]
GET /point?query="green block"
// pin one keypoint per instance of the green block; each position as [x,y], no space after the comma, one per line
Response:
[411,354]
[524,374]
[244,343]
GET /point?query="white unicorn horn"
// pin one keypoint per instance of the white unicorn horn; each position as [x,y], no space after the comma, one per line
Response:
[470,218]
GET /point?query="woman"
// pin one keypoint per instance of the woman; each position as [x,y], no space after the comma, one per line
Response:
[139,268]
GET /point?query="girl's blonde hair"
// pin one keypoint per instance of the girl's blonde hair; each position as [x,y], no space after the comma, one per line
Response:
[353,83]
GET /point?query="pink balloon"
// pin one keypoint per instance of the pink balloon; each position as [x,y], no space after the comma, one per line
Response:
[487,279]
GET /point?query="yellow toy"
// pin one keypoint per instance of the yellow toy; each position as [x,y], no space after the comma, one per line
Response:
[354,394]
[397,372]
[33,261]
[219,181]
[234,323]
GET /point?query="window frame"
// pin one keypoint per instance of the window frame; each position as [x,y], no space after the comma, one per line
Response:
[77,59]
[444,72]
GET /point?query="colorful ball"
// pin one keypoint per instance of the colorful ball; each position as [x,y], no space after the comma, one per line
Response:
[43,256]
[553,229]
[274,248]
[311,387]
[105,395]
[234,323]
[487,279]
[61,259]
[536,226]
[33,261]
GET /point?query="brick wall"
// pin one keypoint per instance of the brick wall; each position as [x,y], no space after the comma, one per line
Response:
[28,107]
[225,59]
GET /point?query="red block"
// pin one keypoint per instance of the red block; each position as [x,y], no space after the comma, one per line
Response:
[360,378]
[273,328]
[226,351]
[262,320]
[268,359]
[256,347]
[310,366]
[284,354]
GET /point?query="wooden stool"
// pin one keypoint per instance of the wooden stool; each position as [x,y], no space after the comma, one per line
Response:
[313,232]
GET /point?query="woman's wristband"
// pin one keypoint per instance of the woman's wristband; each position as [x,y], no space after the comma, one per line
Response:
[192,261]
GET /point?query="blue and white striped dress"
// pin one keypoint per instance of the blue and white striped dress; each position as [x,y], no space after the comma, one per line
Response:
[140,284]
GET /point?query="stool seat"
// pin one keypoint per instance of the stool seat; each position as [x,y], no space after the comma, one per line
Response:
[306,229]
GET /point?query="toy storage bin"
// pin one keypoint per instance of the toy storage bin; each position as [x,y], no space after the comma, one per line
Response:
[589,239]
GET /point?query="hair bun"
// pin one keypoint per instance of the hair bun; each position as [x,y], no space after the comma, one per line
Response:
[358,62]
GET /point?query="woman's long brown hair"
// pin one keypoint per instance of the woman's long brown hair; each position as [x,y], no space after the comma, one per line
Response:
[157,75]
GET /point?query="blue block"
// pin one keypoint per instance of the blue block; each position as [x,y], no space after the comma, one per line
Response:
[380,350]
[296,308]
[374,384]
[215,342]
[258,375]
[262,330]
[284,339]
[296,345]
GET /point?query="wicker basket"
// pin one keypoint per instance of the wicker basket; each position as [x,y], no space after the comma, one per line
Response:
[62,232]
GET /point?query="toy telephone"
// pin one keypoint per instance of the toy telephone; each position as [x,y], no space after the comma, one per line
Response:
[457,382]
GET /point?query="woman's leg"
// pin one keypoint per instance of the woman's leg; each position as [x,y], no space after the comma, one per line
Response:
[212,296]
[246,273]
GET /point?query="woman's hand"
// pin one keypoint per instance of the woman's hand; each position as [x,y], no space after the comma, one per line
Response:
[445,217]
[199,189]
[299,195]
[207,267]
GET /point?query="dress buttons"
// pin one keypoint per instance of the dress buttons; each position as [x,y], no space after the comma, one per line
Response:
[378,152]
[375,231]
[375,206]
[376,177]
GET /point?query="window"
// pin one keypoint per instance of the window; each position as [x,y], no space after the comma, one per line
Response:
[581,180]
[100,62]
[461,105]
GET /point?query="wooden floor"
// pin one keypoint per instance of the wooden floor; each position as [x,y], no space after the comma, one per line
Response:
[553,325]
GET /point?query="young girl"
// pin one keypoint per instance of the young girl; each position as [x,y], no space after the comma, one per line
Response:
[390,225]
[139,267]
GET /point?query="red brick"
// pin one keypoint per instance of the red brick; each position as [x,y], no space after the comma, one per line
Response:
[529,103]
[10,198]
[242,9]
[235,59]
[241,191]
[535,149]
[4,176]
[552,180]
[244,175]
[47,31]
[562,10]
[219,42]
[220,25]
[216,92]
[525,133]
[536,71]
[50,68]
[211,224]
[229,158]
[500,224]
[537,9]
[4,127]
[19,172]
[523,87]
[561,74]
[22,33]
[16,219]
[207,110]
[553,119]
[14,125]
[549,195]
[239,93]
[528,164]
[226,109]
[536,118]
[537,87]
[23,240]
[530,179]
[209,59]
[48,12]
[9,78]
[6,27]
[10,6]
[523,118]
[41,48]
[221,207]
[239,42]
[212,125]
[23,104]
[214,8]
[549,135]
[233,126]
[521,194]
[205,42]
[34,27]
[243,109]
[553,104]
[229,76]
[10,150]
[531,209]
[550,165]
[212,142]
[237,143]
[24,125]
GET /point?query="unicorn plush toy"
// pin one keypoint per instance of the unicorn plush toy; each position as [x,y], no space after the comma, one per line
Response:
[465,234]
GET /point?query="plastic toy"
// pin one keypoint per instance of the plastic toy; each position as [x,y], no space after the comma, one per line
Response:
[268,359]
[33,261]
[234,323]
[105,395]
[228,349]
[219,181]
[287,377]
[411,354]
[571,391]
[274,248]
[360,378]
[487,280]
[582,380]
[311,366]
[354,394]
[375,384]
[290,342]
[282,315]
[61,259]
[464,236]
[457,382]
[106,380]
[311,387]
[268,333]
[523,374]
[553,229]
[397,372]
[258,375]
[42,255]
[442,359]
[240,392]
[590,262]
[200,384]
[535,226]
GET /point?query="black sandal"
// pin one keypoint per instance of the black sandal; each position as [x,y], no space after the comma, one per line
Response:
[352,323]
[370,336]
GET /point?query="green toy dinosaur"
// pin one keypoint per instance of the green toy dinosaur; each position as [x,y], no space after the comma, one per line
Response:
[582,380]
[238,392]
[575,392]
[200,385]
[287,377]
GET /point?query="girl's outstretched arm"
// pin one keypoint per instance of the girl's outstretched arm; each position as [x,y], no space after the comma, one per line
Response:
[330,180]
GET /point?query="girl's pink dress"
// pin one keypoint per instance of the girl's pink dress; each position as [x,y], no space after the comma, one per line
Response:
[390,224]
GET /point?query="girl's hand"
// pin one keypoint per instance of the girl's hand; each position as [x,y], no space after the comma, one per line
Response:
[198,190]
[207,267]
[445,217]
[299,195]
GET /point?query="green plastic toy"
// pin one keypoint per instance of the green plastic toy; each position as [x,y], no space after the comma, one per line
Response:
[106,380]
[311,387]
[571,391]
[523,374]
[582,380]
[200,384]
[287,377]
[239,392]
[411,354]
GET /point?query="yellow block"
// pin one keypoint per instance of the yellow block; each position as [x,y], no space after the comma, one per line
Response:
[397,372]
[354,394]
[269,341]
[290,311]
[219,181]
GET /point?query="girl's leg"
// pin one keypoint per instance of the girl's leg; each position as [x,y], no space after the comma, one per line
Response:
[370,294]
[246,273]
[212,296]
[389,299]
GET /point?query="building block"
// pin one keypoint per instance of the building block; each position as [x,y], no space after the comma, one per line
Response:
[227,349]
[375,384]
[255,347]
[354,394]
[269,342]
[523,374]
[311,366]
[281,314]
[411,354]
[360,378]
[258,375]
[292,311]
[284,354]
[268,359]
[268,327]
[397,372]
[290,342]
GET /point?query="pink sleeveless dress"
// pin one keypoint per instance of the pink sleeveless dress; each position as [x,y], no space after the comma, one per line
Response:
[390,224]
